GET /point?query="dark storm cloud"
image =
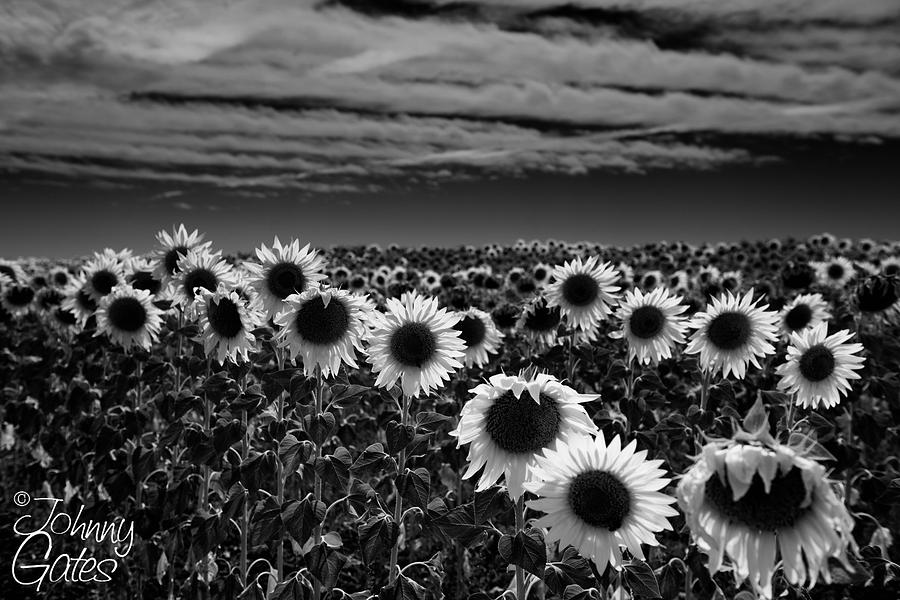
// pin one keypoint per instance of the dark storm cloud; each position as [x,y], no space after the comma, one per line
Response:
[335,96]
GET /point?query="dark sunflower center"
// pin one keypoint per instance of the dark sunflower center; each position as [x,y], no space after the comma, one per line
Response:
[835,271]
[649,280]
[199,278]
[413,344]
[20,295]
[66,317]
[103,281]
[798,317]
[285,279]
[892,269]
[50,298]
[817,363]
[540,274]
[127,314]
[729,330]
[322,324]
[85,301]
[580,289]
[521,425]
[544,318]
[170,260]
[877,294]
[471,330]
[781,507]
[224,318]
[60,278]
[144,280]
[600,499]
[646,322]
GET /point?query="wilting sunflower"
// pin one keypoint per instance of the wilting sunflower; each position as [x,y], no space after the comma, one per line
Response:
[102,273]
[819,366]
[732,332]
[284,269]
[129,317]
[47,299]
[750,497]
[803,312]
[481,336]
[584,291]
[539,321]
[415,342]
[17,298]
[78,300]
[175,246]
[199,269]
[651,324]
[600,498]
[323,327]
[511,420]
[879,295]
[227,322]
[835,272]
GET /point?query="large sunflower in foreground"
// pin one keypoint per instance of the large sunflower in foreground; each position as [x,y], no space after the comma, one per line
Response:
[601,498]
[128,317]
[751,499]
[415,342]
[732,332]
[652,324]
[283,270]
[324,327]
[819,366]
[227,322]
[481,336]
[584,291]
[511,420]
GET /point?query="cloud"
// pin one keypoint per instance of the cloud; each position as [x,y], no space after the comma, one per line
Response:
[269,94]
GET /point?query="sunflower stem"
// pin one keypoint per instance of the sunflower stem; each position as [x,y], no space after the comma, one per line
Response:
[398,501]
[245,513]
[204,469]
[279,471]
[317,485]
[520,526]
[847,473]
[688,583]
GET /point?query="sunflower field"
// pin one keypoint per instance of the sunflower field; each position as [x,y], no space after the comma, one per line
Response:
[545,420]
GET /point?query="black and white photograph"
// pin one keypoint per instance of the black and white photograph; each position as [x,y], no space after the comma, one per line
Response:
[450,299]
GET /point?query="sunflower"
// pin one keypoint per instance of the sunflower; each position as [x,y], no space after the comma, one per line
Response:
[541,273]
[732,332]
[284,269]
[60,277]
[48,298]
[652,279]
[803,312]
[103,273]
[199,269]
[651,324]
[890,267]
[141,274]
[600,498]
[749,497]
[415,342]
[129,317]
[511,420]
[878,295]
[481,336]
[819,366]
[17,298]
[173,247]
[13,271]
[835,272]
[584,291]
[540,321]
[78,300]
[323,327]
[227,321]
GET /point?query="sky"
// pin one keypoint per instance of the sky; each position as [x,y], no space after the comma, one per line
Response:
[438,121]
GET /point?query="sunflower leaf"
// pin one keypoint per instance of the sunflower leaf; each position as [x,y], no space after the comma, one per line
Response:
[526,549]
[641,580]
[757,419]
